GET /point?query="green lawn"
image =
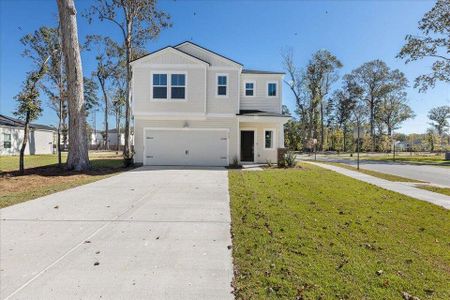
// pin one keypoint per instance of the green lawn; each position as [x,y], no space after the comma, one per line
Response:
[440,190]
[385,176]
[312,233]
[43,176]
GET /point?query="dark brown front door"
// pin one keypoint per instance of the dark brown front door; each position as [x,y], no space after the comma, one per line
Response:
[247,145]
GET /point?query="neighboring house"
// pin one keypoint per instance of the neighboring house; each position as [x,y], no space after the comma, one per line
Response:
[192,106]
[98,138]
[401,146]
[41,138]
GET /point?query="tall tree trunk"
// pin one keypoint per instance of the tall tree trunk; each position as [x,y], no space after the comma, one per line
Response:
[127,153]
[105,98]
[372,124]
[344,137]
[24,144]
[78,157]
[59,130]
[321,126]
[119,140]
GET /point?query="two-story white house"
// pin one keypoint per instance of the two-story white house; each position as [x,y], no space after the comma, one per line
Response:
[192,106]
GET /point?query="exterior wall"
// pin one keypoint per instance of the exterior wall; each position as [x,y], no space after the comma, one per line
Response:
[39,142]
[263,155]
[260,100]
[195,90]
[220,104]
[226,123]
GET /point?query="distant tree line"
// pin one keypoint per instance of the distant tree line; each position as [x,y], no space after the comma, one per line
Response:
[372,93]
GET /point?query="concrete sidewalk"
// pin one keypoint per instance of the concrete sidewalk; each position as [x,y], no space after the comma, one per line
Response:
[150,233]
[405,189]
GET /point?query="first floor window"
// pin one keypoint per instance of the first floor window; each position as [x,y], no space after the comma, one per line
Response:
[178,88]
[159,86]
[249,88]
[272,89]
[268,137]
[222,85]
[6,140]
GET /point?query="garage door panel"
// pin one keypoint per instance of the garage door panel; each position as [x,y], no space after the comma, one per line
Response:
[186,147]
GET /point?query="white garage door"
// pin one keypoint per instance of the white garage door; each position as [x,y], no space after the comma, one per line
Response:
[188,147]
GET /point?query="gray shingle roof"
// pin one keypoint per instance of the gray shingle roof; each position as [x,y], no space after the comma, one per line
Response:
[8,121]
[244,112]
[248,71]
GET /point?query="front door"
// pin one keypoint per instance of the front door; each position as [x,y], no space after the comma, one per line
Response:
[247,145]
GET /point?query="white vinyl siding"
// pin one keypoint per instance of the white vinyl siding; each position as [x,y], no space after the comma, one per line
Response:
[39,142]
[260,100]
[195,90]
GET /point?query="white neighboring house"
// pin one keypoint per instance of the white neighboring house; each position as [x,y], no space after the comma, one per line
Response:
[192,106]
[98,139]
[41,138]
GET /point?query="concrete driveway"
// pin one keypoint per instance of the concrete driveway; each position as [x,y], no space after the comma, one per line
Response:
[151,233]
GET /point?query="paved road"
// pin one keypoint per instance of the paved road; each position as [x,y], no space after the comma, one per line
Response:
[431,174]
[144,234]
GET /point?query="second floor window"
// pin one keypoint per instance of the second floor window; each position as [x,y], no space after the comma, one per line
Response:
[178,88]
[222,83]
[272,89]
[160,86]
[249,89]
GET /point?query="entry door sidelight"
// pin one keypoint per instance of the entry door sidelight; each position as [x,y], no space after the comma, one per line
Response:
[247,145]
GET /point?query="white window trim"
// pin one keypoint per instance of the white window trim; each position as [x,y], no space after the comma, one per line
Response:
[276,87]
[273,138]
[169,86]
[254,88]
[227,86]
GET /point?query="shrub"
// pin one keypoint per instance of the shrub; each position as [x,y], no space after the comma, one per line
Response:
[290,159]
[235,163]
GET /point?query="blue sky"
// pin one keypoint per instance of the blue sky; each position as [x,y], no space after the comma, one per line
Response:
[251,32]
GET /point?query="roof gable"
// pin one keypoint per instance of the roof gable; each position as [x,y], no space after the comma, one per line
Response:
[169,54]
[208,55]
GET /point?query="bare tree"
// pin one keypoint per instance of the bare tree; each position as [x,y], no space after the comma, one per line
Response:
[321,73]
[78,157]
[138,21]
[296,84]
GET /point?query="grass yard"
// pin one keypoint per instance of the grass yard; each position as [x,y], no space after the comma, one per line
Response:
[311,233]
[385,176]
[43,176]
[440,190]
